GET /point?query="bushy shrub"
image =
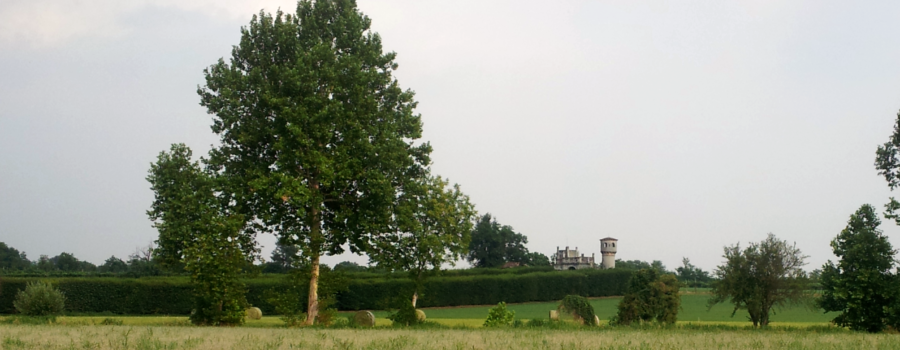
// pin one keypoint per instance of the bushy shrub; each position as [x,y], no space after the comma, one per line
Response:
[253,313]
[537,322]
[499,316]
[651,296]
[40,299]
[405,315]
[579,307]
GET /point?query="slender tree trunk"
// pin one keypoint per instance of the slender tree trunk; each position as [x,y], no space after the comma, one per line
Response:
[415,297]
[315,236]
[313,309]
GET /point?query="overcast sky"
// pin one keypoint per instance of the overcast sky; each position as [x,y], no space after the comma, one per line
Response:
[678,128]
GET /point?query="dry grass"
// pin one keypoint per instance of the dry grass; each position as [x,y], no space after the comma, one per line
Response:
[150,337]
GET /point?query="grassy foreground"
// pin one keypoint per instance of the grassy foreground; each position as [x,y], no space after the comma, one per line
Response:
[149,337]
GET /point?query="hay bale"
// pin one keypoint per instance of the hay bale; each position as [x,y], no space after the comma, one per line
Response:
[554,315]
[596,320]
[253,313]
[420,315]
[364,319]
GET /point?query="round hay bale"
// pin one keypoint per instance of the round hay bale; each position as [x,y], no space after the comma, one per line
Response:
[364,319]
[253,313]
[554,315]
[596,320]
[420,315]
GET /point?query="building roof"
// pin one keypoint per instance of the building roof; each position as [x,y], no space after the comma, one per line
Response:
[608,239]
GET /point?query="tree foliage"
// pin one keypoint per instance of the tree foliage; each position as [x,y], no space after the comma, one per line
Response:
[494,244]
[860,286]
[692,276]
[12,259]
[431,228]
[761,277]
[499,316]
[651,296]
[316,134]
[200,230]
[579,307]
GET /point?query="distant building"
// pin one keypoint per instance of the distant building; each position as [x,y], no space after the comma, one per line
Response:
[510,265]
[571,260]
[608,250]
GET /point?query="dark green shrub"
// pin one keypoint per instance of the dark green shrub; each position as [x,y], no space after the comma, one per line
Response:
[650,297]
[40,299]
[537,322]
[111,322]
[405,315]
[579,307]
[499,316]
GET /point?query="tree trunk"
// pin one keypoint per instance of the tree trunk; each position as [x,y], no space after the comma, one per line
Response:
[313,309]
[315,235]
[415,297]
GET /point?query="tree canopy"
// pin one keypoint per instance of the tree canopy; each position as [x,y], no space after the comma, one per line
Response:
[201,231]
[763,276]
[316,133]
[860,286]
[12,259]
[494,244]
[432,227]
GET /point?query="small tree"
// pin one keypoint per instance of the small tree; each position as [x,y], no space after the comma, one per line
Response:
[431,228]
[579,307]
[499,316]
[199,230]
[40,299]
[860,286]
[651,296]
[761,277]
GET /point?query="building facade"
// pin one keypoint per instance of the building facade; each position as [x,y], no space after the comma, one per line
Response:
[569,259]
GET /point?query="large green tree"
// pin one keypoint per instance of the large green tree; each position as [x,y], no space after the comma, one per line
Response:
[432,227]
[12,259]
[651,296]
[494,244]
[763,276]
[200,230]
[316,134]
[860,286]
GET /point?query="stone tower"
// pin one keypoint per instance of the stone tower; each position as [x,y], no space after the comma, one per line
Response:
[608,250]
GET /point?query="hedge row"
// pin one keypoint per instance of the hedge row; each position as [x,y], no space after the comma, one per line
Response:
[172,295]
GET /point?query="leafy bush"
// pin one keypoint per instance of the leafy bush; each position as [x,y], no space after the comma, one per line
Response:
[499,316]
[650,297]
[40,299]
[111,322]
[536,322]
[405,315]
[579,307]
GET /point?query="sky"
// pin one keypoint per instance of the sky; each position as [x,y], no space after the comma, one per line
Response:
[677,128]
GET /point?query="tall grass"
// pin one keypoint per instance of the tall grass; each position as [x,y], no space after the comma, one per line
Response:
[201,338]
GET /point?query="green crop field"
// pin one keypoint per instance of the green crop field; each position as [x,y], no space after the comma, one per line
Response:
[694,309]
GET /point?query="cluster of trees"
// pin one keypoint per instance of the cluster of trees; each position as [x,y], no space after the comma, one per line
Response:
[12,261]
[494,245]
[319,147]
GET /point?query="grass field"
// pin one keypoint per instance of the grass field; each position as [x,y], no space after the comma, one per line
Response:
[201,338]
[796,328]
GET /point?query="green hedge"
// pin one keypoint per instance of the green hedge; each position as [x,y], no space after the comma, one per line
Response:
[172,295]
